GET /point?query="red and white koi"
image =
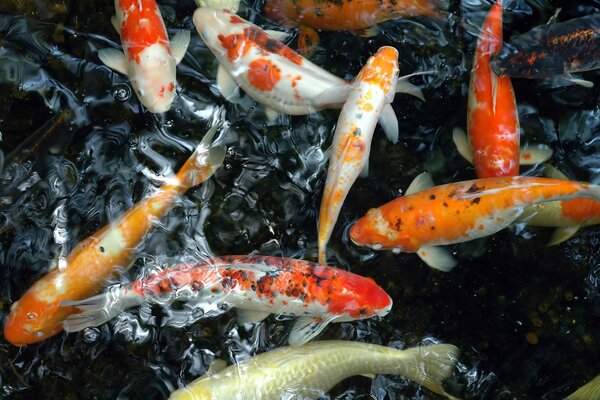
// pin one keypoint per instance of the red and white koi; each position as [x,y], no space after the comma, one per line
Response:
[492,117]
[149,60]
[428,216]
[266,69]
[39,314]
[372,90]
[256,286]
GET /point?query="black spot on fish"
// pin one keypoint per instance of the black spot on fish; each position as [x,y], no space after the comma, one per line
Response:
[357,132]
[318,12]
[101,249]
[476,200]
[452,193]
[432,196]
[433,228]
[445,204]
[475,189]
[398,224]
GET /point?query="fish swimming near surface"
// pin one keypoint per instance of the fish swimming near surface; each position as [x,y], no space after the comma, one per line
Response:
[368,102]
[256,286]
[360,16]
[39,314]
[266,69]
[553,50]
[149,60]
[567,216]
[428,217]
[308,372]
[492,117]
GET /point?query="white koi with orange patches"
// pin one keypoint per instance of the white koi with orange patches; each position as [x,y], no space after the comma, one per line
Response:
[373,88]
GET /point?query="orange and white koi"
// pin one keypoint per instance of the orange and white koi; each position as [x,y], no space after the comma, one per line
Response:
[372,92]
[39,315]
[256,286]
[457,212]
[359,16]
[266,69]
[492,116]
[149,59]
[566,216]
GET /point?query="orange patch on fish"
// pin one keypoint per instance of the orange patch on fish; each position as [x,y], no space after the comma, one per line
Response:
[238,45]
[380,69]
[263,74]
[579,210]
[141,27]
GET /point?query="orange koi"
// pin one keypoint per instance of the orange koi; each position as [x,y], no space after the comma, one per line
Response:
[256,286]
[39,315]
[349,15]
[457,212]
[149,59]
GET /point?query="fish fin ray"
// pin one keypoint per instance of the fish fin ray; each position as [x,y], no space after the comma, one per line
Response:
[568,79]
[437,257]
[332,96]
[463,146]
[408,88]
[113,59]
[552,20]
[226,84]
[562,234]
[554,173]
[305,329]
[115,23]
[389,123]
[250,316]
[368,32]
[217,366]
[532,154]
[589,391]
[421,182]
[179,45]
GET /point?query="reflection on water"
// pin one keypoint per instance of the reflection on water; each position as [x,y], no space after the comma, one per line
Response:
[77,150]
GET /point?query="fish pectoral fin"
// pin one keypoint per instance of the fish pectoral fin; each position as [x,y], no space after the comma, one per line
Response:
[115,23]
[305,329]
[552,20]
[421,182]
[179,45]
[568,79]
[250,316]
[389,123]
[562,234]
[408,88]
[554,173]
[532,154]
[271,114]
[114,59]
[277,35]
[461,141]
[371,31]
[217,366]
[370,376]
[226,84]
[437,257]
[333,96]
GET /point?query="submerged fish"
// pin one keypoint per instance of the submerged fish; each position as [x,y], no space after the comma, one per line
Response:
[149,59]
[553,50]
[360,16]
[428,217]
[266,69]
[256,286]
[39,314]
[372,93]
[308,372]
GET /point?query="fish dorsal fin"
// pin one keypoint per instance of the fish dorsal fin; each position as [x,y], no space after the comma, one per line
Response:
[277,35]
[461,141]
[421,182]
[250,316]
[389,123]
[179,45]
[437,257]
[217,366]
[554,173]
[332,96]
[532,154]
[115,23]
[305,329]
[226,84]
[114,59]
[562,234]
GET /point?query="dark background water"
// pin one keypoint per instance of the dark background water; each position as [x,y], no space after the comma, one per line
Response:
[77,150]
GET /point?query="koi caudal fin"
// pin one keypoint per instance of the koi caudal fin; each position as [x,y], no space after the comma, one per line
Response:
[97,310]
[589,391]
[207,158]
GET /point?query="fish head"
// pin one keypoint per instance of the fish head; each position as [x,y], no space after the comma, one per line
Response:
[381,70]
[153,78]
[520,62]
[221,31]
[372,230]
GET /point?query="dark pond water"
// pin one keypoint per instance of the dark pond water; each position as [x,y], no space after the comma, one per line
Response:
[77,150]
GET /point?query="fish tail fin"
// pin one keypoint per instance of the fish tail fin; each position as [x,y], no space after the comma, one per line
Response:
[205,160]
[97,310]
[595,192]
[429,365]
[589,391]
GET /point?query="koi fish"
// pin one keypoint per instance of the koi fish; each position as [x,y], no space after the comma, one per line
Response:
[39,315]
[231,5]
[361,16]
[428,217]
[266,69]
[309,371]
[553,50]
[256,286]
[149,60]
[589,391]
[492,117]
[373,88]
[566,216]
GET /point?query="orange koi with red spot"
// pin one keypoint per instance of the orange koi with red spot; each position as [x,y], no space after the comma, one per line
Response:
[39,314]
[344,15]
[256,286]
[457,212]
[150,59]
